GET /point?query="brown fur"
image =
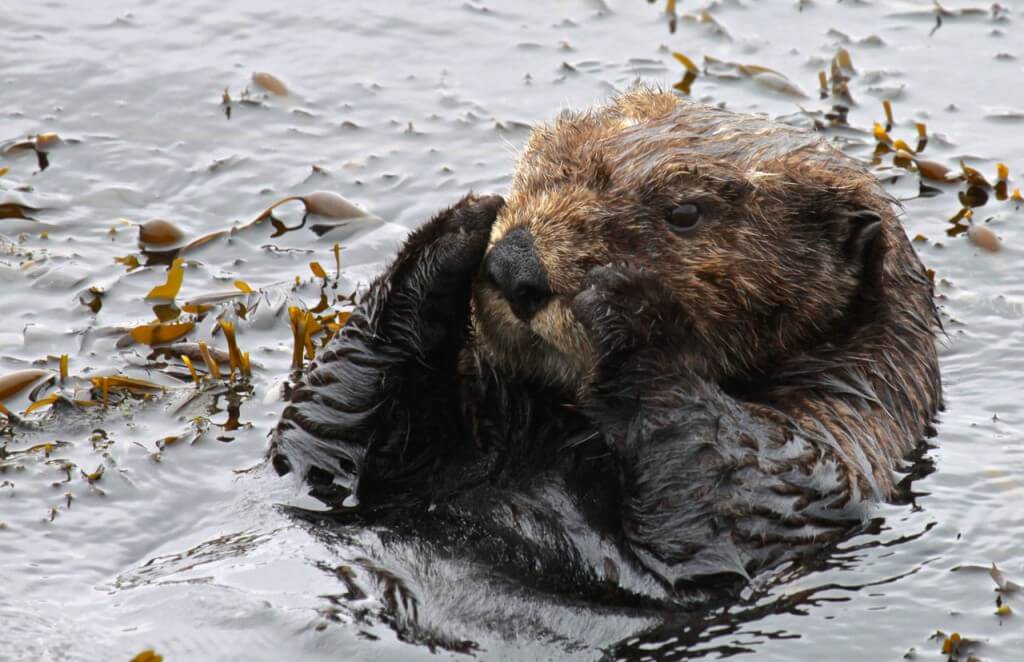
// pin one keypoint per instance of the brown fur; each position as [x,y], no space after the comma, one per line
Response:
[698,404]
[839,346]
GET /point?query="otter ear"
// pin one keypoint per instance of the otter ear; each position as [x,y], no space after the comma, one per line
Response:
[865,227]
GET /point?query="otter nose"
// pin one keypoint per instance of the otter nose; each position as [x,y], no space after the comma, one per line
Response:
[513,266]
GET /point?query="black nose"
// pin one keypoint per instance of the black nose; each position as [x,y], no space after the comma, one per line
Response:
[513,266]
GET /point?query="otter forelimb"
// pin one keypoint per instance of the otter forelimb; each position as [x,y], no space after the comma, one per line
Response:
[711,486]
[380,406]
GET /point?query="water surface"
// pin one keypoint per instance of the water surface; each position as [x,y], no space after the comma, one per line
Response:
[402,107]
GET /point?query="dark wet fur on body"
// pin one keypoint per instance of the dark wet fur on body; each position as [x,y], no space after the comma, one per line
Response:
[684,410]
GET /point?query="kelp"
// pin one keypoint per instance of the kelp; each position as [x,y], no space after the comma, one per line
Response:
[158,232]
[160,333]
[175,276]
[13,383]
[270,83]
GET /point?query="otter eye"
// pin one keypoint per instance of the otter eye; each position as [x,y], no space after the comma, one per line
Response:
[685,217]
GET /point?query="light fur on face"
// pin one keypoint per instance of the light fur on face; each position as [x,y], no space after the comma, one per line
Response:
[764,276]
[552,349]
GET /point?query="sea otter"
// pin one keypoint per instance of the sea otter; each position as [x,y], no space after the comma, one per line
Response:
[697,338]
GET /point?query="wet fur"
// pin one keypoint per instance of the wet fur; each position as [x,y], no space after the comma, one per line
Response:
[704,404]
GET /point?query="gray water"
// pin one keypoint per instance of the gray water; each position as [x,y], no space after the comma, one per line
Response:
[402,107]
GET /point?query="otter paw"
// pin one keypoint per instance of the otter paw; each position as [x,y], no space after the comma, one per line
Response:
[453,242]
[428,286]
[623,308]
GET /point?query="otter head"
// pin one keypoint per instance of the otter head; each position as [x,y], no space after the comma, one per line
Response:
[760,231]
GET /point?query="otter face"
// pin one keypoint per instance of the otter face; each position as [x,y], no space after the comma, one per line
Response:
[759,230]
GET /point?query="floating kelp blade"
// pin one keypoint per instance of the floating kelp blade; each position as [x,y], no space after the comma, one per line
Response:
[158,334]
[974,196]
[15,382]
[197,308]
[42,402]
[191,369]
[95,475]
[19,146]
[973,176]
[234,355]
[131,384]
[16,210]
[166,312]
[686,62]
[1002,185]
[936,171]
[673,20]
[44,142]
[686,84]
[1004,585]
[158,232]
[211,363]
[270,83]
[692,71]
[984,238]
[333,323]
[902,146]
[765,76]
[175,276]
[301,323]
[331,205]
[195,304]
[321,203]
[956,646]
[903,158]
[881,135]
[844,61]
[130,261]
[46,448]
[205,239]
[704,17]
